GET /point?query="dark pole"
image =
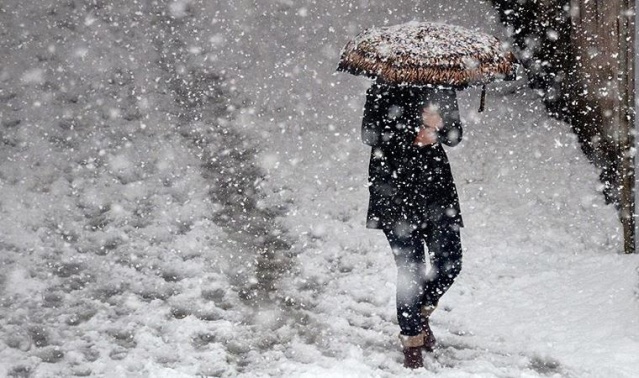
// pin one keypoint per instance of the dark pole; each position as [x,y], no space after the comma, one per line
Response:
[626,114]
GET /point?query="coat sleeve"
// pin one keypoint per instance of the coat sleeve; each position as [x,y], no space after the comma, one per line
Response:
[387,120]
[451,132]
[372,121]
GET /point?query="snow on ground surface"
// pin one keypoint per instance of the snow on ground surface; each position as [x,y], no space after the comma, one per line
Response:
[129,210]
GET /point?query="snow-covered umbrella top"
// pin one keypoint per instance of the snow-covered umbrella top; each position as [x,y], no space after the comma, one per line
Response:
[426,53]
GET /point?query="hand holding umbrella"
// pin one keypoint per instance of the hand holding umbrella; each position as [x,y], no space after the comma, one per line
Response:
[432,123]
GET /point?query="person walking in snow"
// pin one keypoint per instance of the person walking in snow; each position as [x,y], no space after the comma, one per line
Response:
[413,199]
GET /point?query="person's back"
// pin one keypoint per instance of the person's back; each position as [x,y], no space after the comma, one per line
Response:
[401,168]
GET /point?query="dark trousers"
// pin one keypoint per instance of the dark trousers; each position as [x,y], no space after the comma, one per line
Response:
[416,287]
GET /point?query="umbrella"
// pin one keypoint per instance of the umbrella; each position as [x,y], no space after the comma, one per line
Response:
[427,53]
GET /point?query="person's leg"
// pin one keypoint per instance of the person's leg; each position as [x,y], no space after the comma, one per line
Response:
[444,248]
[408,251]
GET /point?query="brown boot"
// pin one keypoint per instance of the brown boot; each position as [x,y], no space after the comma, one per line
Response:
[429,338]
[412,348]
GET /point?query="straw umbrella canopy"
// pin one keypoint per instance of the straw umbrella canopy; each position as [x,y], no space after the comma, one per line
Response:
[426,53]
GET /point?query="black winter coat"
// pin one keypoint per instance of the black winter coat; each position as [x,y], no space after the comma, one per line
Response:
[409,186]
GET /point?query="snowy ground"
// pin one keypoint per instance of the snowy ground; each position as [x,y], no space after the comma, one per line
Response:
[129,217]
